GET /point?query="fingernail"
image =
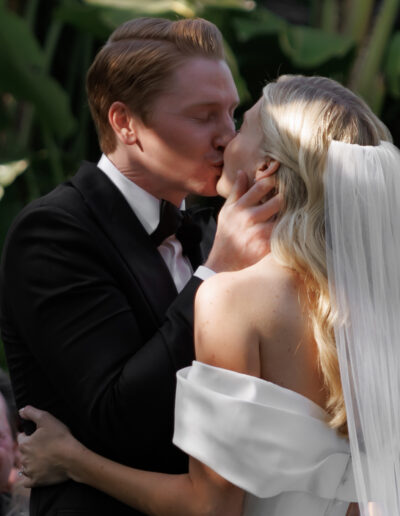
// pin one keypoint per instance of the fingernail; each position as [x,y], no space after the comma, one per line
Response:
[21,411]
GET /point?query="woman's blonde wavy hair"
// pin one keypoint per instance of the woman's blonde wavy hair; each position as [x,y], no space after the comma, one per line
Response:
[300,116]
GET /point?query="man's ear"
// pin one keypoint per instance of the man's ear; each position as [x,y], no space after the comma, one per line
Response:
[267,168]
[123,123]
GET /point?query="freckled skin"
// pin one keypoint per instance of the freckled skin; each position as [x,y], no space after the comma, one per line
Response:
[256,322]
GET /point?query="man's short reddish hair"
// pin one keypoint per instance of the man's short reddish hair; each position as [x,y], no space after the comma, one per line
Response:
[136,62]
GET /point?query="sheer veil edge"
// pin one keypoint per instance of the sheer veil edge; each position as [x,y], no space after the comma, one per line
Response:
[362,216]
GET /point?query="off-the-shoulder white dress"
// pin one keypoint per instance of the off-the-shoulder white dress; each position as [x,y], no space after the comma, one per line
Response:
[270,441]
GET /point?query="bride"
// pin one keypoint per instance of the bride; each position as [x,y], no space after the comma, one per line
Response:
[291,407]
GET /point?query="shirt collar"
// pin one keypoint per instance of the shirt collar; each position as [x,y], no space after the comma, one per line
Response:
[145,206]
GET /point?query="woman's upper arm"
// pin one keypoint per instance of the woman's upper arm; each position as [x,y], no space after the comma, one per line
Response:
[214,494]
[222,339]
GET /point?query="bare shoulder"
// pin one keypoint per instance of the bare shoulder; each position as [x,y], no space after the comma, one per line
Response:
[224,336]
[237,312]
[280,297]
[219,292]
[288,351]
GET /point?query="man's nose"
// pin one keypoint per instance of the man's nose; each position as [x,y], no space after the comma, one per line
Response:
[226,131]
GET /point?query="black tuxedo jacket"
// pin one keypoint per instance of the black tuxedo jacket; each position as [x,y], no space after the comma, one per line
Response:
[94,331]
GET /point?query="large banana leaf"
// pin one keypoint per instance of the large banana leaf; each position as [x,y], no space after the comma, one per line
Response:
[308,47]
[140,5]
[23,74]
[259,22]
[186,8]
[100,17]
[146,8]
[88,19]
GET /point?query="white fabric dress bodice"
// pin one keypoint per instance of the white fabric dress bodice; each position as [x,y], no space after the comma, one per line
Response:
[270,441]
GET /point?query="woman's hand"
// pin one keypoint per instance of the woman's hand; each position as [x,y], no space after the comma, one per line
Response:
[45,453]
[245,223]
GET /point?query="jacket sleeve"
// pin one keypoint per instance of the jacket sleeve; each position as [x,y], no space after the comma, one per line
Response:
[63,297]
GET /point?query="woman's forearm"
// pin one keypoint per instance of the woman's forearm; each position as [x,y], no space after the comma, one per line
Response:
[155,494]
[52,455]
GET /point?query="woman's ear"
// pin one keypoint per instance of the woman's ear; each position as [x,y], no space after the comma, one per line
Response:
[268,168]
[122,123]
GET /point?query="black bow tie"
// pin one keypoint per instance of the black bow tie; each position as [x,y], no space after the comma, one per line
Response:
[179,223]
[170,220]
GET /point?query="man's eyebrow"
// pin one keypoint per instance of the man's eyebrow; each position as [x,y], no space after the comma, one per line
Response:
[201,105]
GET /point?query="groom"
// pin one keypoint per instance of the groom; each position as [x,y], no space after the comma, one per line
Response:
[96,291]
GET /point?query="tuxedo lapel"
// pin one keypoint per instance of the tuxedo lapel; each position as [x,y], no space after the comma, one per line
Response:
[133,243]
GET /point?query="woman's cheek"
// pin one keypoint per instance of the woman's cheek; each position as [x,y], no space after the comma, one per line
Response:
[224,186]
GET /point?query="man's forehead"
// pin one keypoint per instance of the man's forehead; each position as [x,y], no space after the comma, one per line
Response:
[205,80]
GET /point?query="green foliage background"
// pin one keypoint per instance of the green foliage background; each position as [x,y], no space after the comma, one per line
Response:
[46,47]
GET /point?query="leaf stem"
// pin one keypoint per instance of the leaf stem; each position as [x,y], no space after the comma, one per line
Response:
[372,57]
[30,12]
[358,14]
[329,15]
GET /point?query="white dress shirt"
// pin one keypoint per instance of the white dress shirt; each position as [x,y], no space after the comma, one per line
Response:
[147,209]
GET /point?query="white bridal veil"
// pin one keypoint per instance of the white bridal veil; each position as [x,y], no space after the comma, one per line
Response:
[362,214]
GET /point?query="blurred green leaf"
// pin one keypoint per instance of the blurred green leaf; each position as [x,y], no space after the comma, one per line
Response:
[87,18]
[100,20]
[22,73]
[247,5]
[260,22]
[145,8]
[185,8]
[309,47]
[137,5]
[115,17]
[392,66]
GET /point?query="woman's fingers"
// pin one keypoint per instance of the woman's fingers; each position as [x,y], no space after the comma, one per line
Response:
[24,475]
[268,209]
[257,192]
[22,438]
[42,453]
[239,187]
